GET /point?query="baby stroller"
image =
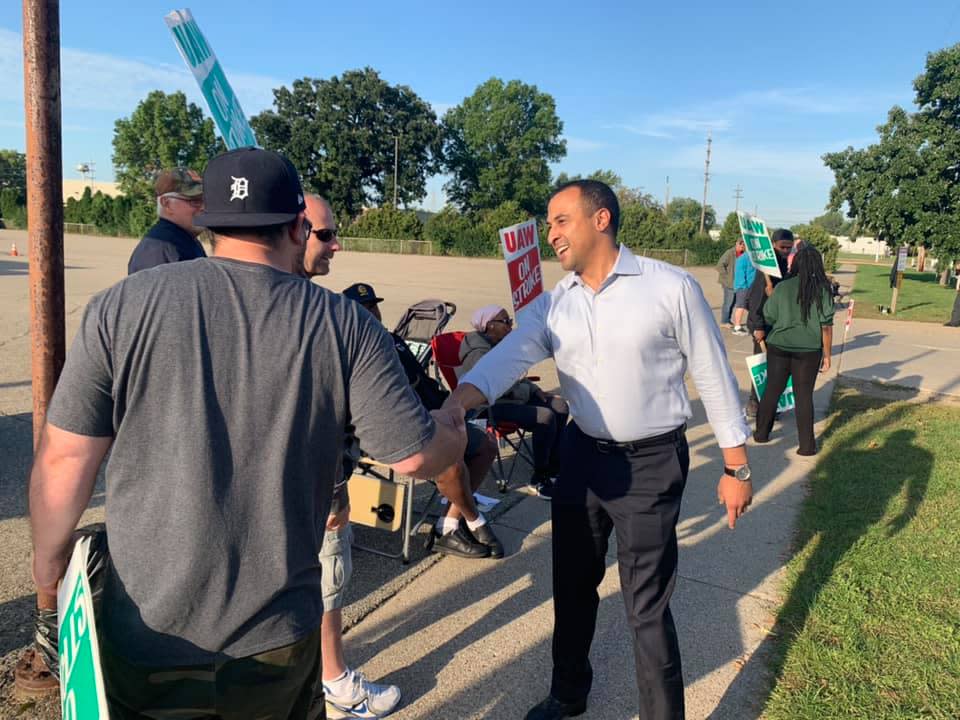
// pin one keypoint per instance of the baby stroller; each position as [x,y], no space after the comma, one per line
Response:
[420,323]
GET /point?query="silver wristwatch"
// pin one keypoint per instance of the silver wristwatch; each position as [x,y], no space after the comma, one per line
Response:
[742,473]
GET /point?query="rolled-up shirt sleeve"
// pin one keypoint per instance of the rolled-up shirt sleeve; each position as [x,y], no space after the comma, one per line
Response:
[498,370]
[701,344]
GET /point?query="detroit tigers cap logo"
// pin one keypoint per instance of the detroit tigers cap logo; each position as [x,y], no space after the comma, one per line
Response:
[239,188]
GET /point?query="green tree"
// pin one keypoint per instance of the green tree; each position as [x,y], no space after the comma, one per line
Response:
[731,231]
[448,229]
[163,131]
[339,133]
[386,223]
[833,222]
[13,174]
[608,177]
[817,236]
[497,146]
[905,188]
[642,226]
[683,208]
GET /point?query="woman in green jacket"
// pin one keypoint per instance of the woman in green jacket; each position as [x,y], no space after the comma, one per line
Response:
[800,316]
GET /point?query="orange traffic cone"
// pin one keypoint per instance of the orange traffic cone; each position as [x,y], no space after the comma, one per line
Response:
[13,250]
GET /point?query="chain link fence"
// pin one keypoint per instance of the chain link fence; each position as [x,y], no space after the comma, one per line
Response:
[380,245]
[80,228]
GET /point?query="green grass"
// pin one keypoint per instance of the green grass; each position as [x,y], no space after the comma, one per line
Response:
[864,258]
[921,296]
[871,624]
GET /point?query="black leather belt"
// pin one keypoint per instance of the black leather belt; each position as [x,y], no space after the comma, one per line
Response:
[609,446]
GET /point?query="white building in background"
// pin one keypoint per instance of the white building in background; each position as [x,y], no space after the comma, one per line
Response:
[862,245]
[73,188]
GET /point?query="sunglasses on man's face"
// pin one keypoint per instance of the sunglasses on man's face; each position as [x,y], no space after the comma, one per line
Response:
[508,321]
[326,234]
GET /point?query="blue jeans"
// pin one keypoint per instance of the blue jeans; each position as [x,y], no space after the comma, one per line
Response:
[726,309]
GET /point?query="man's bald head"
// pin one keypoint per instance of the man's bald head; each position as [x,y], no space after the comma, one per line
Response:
[323,242]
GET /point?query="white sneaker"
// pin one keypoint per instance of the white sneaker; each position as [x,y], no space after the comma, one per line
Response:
[739,330]
[364,699]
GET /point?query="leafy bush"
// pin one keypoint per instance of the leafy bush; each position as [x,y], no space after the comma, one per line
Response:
[386,223]
[821,240]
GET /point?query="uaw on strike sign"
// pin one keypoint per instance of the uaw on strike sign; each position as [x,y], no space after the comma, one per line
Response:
[521,250]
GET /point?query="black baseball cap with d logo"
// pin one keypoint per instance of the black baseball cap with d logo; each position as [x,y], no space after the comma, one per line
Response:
[249,188]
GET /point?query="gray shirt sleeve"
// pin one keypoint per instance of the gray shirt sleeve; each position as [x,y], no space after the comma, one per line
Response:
[83,400]
[391,422]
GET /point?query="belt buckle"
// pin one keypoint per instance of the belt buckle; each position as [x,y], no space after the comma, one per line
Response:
[605,446]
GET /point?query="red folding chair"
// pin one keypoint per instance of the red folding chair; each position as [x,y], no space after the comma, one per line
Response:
[446,355]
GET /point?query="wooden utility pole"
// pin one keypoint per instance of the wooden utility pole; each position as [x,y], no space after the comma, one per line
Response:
[41,90]
[706,182]
[738,196]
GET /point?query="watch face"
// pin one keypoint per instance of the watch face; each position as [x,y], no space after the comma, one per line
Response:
[743,473]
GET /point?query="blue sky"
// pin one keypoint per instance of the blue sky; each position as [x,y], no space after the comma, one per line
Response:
[637,85]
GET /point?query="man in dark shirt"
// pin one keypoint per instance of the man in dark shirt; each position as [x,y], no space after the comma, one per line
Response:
[174,236]
[760,290]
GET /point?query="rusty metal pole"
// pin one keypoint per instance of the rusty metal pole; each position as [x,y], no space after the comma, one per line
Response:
[41,88]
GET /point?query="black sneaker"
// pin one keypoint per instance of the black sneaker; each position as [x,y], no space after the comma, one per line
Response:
[484,535]
[457,543]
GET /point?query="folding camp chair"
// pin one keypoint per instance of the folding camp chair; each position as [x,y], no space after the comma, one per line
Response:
[379,498]
[421,322]
[446,355]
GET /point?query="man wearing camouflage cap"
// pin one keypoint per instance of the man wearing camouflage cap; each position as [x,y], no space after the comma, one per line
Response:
[174,236]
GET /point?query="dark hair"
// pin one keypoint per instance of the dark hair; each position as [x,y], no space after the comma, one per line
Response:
[268,234]
[781,234]
[814,285]
[595,196]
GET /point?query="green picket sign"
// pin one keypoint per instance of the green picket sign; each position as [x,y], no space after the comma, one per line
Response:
[222,101]
[759,247]
[82,694]
[757,365]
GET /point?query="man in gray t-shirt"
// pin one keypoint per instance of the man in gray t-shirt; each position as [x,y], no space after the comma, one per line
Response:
[223,387]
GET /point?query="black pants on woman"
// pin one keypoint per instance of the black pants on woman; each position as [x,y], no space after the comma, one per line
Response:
[781,364]
[545,420]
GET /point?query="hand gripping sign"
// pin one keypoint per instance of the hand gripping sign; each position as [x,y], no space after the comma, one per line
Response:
[521,250]
[758,243]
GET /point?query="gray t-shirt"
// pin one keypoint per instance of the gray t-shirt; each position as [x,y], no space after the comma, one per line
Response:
[227,387]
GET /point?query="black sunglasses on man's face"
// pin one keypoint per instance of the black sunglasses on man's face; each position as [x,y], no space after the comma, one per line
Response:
[326,234]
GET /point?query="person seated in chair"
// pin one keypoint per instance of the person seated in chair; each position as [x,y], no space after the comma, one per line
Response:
[462,530]
[525,404]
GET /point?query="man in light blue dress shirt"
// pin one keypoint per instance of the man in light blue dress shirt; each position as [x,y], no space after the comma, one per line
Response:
[624,331]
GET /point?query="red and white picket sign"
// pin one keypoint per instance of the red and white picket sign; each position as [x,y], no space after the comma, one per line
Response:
[521,250]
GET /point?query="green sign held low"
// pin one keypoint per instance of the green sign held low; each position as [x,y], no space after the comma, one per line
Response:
[759,246]
[223,103]
[82,694]
[758,376]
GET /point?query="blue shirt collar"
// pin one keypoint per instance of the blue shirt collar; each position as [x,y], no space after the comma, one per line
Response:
[626,264]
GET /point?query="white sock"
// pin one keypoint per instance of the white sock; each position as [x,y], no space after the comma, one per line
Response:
[447,524]
[480,521]
[339,685]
